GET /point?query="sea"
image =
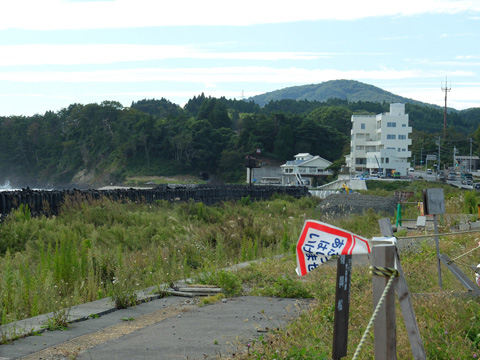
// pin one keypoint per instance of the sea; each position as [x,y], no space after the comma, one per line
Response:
[7,187]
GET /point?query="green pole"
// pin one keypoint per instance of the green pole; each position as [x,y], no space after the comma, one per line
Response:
[399,215]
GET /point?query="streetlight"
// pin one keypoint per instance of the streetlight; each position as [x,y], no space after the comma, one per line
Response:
[421,159]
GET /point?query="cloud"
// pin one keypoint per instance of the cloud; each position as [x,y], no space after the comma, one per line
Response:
[42,54]
[461,96]
[58,14]
[215,75]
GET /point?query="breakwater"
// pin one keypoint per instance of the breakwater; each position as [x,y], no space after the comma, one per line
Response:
[43,202]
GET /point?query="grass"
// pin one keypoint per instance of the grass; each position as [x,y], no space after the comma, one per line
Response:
[449,322]
[148,181]
[103,249]
[82,255]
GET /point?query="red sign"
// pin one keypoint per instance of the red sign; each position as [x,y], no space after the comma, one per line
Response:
[319,241]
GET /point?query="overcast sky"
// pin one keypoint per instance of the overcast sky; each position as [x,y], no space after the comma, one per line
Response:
[54,53]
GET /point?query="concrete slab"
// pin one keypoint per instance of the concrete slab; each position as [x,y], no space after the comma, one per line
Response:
[169,328]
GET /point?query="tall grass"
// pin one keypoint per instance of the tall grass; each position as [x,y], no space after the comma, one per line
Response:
[101,248]
[448,319]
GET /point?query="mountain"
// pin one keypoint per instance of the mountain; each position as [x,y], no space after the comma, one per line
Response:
[350,90]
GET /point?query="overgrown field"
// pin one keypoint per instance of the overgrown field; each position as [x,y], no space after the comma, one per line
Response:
[99,249]
[108,249]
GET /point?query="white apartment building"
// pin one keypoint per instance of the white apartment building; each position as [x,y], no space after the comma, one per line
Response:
[380,142]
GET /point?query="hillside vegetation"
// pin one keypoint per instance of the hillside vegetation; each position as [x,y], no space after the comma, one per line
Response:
[98,144]
[350,90]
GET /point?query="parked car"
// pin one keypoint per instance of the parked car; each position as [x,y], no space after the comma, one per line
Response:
[429,171]
[441,176]
[477,186]
[467,178]
[396,175]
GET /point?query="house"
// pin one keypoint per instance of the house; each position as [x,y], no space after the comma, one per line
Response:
[304,169]
[380,142]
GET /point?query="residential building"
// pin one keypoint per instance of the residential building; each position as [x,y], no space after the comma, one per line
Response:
[304,169]
[380,142]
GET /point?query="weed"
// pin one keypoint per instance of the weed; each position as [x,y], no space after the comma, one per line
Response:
[123,293]
[245,201]
[128,319]
[470,205]
[208,300]
[285,287]
[228,281]
[59,320]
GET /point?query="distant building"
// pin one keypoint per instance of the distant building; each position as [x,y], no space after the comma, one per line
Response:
[380,142]
[467,163]
[304,169]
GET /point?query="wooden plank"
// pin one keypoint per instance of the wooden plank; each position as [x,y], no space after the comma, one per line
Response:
[385,227]
[437,246]
[385,331]
[455,270]
[405,301]
[185,293]
[201,290]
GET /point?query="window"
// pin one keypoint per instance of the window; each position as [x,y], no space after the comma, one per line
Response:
[391,124]
[391,136]
[404,125]
[402,137]
[386,160]
[404,150]
[362,126]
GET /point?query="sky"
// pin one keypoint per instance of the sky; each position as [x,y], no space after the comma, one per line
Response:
[54,53]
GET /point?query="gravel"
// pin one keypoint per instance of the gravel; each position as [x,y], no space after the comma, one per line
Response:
[357,204]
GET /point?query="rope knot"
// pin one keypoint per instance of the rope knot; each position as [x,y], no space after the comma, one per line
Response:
[383,271]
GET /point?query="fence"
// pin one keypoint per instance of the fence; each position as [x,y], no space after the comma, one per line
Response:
[49,202]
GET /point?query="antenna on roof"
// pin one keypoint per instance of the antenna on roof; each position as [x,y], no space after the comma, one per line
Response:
[446,89]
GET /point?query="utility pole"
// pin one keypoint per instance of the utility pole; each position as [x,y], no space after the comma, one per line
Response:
[438,167]
[470,161]
[454,163]
[421,158]
[446,89]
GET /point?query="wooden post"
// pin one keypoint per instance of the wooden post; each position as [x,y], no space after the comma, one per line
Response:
[385,331]
[405,300]
[342,307]
[437,245]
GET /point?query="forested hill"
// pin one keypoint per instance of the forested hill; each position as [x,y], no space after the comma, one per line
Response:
[95,144]
[350,90]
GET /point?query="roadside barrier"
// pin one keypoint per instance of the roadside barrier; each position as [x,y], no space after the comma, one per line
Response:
[46,202]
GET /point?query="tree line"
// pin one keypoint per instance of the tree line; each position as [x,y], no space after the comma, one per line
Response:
[210,136]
